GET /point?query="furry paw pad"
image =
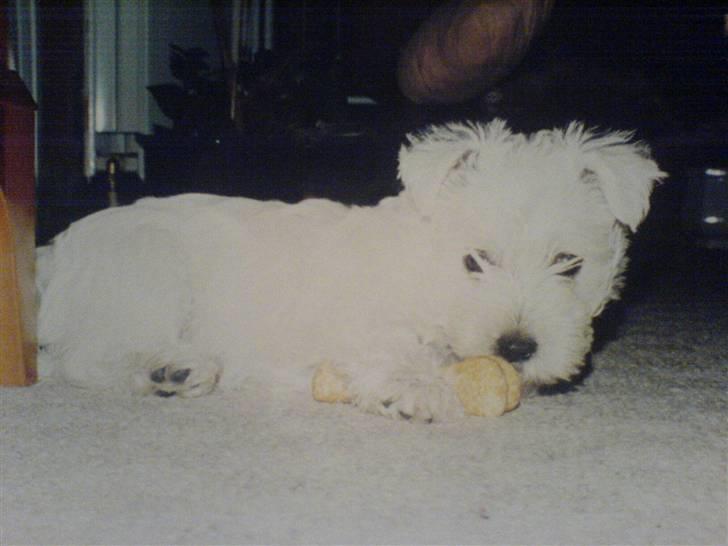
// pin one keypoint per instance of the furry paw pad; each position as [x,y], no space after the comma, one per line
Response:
[410,398]
[423,403]
[167,375]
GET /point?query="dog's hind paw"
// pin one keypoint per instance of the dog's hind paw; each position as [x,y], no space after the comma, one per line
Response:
[169,373]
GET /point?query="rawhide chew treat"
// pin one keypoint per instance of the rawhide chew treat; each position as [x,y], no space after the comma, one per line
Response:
[486,386]
[330,385]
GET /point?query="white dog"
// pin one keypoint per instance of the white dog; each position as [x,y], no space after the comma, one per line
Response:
[499,243]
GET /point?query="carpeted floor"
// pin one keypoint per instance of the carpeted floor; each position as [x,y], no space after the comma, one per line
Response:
[635,455]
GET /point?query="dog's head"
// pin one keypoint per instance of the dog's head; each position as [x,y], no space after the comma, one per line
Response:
[539,224]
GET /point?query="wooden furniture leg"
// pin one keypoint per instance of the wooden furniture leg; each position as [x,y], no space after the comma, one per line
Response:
[17,233]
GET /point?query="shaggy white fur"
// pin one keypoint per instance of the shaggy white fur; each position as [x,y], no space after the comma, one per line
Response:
[499,243]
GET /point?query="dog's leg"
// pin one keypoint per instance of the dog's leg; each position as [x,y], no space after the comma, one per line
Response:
[118,309]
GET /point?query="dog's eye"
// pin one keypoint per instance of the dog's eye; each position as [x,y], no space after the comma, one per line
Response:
[569,264]
[471,264]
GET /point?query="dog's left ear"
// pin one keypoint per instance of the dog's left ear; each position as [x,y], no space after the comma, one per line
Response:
[440,154]
[624,171]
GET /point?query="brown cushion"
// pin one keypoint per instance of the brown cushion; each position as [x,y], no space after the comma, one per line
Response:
[467,46]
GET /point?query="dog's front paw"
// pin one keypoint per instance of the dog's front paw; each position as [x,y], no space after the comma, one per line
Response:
[169,373]
[414,399]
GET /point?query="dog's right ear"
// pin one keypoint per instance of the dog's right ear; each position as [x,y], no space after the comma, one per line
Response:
[623,169]
[441,154]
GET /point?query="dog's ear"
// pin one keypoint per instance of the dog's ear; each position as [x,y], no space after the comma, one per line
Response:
[440,154]
[622,168]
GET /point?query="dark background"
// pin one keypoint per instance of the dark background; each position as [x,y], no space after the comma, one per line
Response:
[656,67]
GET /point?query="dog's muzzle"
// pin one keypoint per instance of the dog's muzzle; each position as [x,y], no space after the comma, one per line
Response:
[516,347]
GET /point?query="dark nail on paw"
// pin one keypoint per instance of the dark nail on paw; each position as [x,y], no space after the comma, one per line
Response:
[405,416]
[164,394]
[180,376]
[159,375]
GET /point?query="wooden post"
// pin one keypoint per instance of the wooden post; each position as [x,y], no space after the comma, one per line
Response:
[17,232]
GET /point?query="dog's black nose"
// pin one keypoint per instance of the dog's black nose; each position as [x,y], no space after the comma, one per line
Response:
[516,347]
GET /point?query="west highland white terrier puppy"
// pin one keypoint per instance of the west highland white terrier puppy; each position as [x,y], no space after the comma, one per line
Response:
[499,243]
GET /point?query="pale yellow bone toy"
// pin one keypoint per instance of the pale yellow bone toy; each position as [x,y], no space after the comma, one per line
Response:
[330,385]
[486,386]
